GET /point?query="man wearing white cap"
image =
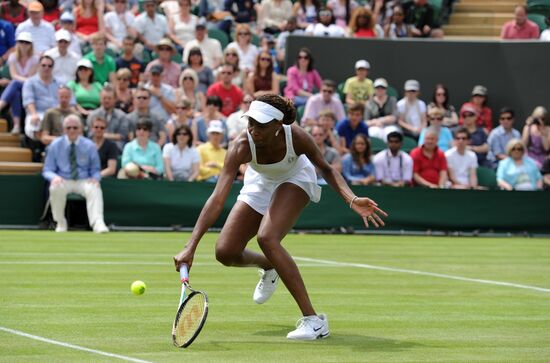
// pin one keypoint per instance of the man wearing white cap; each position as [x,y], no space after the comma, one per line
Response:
[411,110]
[359,88]
[67,23]
[43,33]
[211,153]
[65,60]
[278,184]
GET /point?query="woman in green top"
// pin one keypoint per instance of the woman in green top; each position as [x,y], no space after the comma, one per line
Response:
[85,90]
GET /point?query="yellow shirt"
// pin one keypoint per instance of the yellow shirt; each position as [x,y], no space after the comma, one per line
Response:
[210,154]
[360,90]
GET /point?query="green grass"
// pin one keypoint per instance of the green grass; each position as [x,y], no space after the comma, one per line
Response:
[75,288]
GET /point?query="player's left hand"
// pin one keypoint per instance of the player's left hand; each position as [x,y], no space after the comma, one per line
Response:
[369,211]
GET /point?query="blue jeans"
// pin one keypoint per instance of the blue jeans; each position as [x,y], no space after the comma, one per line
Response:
[13,97]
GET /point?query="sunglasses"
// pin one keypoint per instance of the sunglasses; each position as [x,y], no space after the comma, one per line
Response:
[142,98]
[23,42]
[468,115]
[46,65]
[436,118]
[165,49]
[266,59]
[188,79]
[142,128]
[325,13]
[232,54]
[123,79]
[71,127]
[80,68]
[440,94]
[99,127]
[303,57]
[517,149]
[505,118]
[242,33]
[327,91]
[461,138]
[183,134]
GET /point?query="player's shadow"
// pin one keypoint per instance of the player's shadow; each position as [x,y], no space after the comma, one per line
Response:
[362,343]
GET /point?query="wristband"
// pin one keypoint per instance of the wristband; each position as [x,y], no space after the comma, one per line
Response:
[351,203]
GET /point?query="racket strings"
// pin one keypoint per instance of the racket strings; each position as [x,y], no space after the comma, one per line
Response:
[190,319]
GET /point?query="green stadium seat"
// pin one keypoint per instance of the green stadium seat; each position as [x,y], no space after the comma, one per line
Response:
[282,85]
[487,178]
[220,35]
[5,71]
[177,58]
[538,19]
[408,144]
[340,91]
[255,40]
[300,113]
[391,91]
[376,145]
[111,53]
[437,5]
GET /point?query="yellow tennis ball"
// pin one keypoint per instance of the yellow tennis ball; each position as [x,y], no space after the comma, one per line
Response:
[138,287]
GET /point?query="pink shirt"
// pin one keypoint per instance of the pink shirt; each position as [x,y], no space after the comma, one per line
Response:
[170,74]
[297,81]
[529,30]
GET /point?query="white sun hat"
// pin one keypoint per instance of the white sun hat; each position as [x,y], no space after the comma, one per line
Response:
[263,112]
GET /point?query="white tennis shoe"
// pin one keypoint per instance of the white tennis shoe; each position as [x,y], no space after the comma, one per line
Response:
[267,285]
[310,328]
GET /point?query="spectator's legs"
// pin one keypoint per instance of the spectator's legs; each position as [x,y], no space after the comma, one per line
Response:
[94,201]
[12,97]
[58,200]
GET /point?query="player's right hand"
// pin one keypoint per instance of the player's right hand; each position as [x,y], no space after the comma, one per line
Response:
[184,257]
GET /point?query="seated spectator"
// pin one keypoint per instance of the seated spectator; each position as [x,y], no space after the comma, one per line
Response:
[330,154]
[381,111]
[263,79]
[230,94]
[411,111]
[51,12]
[128,60]
[67,23]
[327,120]
[39,95]
[521,27]
[325,27]
[325,100]
[123,92]
[189,88]
[363,25]
[484,113]
[85,89]
[143,153]
[235,123]
[477,136]
[162,94]
[545,35]
[181,25]
[359,88]
[23,64]
[151,26]
[89,20]
[461,162]
[107,149]
[231,56]
[182,117]
[181,159]
[42,32]
[247,51]
[393,166]
[430,164]
[397,28]
[171,70]
[302,78]
[420,15]
[445,139]
[306,12]
[273,15]
[52,125]
[72,166]
[440,100]
[142,99]
[210,49]
[501,136]
[14,12]
[243,12]
[342,11]
[354,125]
[65,59]
[104,64]
[382,10]
[212,155]
[518,171]
[291,28]
[210,113]
[357,167]
[119,24]
[545,171]
[117,125]
[536,135]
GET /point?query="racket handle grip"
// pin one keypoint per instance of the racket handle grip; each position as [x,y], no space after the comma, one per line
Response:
[184,273]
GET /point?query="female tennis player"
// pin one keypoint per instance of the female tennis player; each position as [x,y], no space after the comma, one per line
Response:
[278,184]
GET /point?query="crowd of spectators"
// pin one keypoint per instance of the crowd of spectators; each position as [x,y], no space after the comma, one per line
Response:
[160,99]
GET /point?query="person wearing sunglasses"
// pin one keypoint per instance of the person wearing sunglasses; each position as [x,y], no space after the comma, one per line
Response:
[181,159]
[302,78]
[324,100]
[230,94]
[42,32]
[325,27]
[479,100]
[461,162]
[171,70]
[501,136]
[435,119]
[235,123]
[129,60]
[363,25]
[264,79]
[441,100]
[142,157]
[142,99]
[72,166]
[517,171]
[189,88]
[477,136]
[243,44]
[396,28]
[181,24]
[536,135]
[65,59]
[107,150]
[342,10]
[210,49]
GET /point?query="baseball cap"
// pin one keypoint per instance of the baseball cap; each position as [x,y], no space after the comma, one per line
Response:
[35,6]
[479,91]
[24,37]
[156,68]
[468,108]
[201,24]
[412,85]
[62,35]
[67,17]
[380,82]
[362,64]
[215,126]
[166,43]
[85,63]
[263,112]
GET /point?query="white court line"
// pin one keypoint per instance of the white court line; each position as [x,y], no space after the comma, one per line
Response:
[423,273]
[72,346]
[136,263]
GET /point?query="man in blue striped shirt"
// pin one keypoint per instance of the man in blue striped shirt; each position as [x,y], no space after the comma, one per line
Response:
[72,166]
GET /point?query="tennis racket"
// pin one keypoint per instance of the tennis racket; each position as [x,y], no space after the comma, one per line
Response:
[192,312]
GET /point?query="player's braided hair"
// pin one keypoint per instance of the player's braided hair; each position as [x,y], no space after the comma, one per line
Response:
[283,104]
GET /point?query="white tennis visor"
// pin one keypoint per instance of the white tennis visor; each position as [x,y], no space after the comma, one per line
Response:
[263,112]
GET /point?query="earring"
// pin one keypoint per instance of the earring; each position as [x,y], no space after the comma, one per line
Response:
[277,132]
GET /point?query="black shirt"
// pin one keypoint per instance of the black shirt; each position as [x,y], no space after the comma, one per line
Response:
[107,151]
[134,65]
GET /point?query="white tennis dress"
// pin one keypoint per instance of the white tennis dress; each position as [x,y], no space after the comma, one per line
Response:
[261,180]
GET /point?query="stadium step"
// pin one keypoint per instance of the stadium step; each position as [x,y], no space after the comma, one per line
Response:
[19,168]
[3,125]
[17,154]
[486,6]
[471,29]
[7,139]
[479,18]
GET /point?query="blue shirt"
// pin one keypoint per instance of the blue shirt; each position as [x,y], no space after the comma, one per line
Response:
[7,36]
[353,172]
[445,140]
[43,35]
[151,156]
[498,138]
[510,172]
[344,130]
[58,162]
[44,96]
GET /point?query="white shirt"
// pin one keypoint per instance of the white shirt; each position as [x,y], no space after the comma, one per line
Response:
[412,112]
[461,164]
[389,168]
[211,50]
[117,26]
[64,69]
[235,124]
[247,60]
[153,30]
[320,30]
[43,35]
[181,161]
[545,35]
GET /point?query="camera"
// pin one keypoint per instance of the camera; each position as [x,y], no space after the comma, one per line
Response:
[537,121]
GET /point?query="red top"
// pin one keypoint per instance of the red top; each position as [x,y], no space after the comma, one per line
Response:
[428,168]
[52,16]
[231,98]
[86,26]
[15,20]
[484,118]
[529,30]
[365,33]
